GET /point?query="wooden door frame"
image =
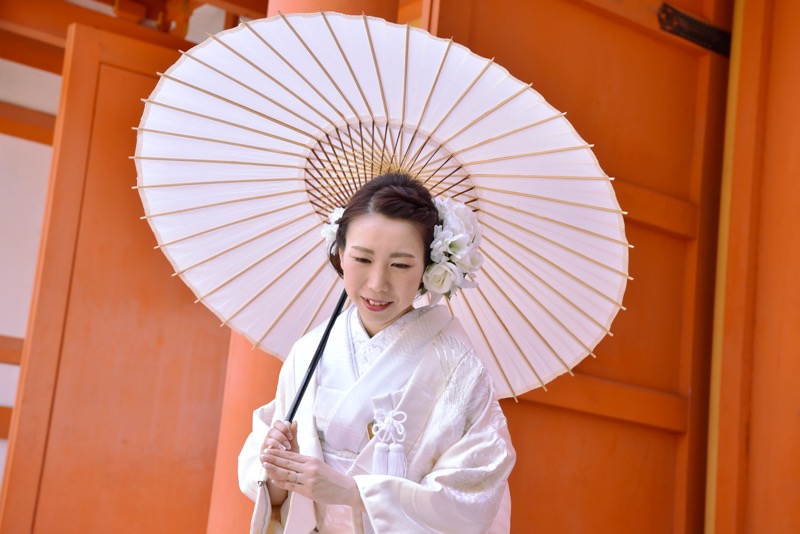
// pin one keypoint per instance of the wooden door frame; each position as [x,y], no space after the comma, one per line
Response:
[732,410]
[86,52]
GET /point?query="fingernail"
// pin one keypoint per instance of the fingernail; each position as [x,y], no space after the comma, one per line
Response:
[289,436]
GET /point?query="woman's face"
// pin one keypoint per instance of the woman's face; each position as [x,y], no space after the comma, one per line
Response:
[382,262]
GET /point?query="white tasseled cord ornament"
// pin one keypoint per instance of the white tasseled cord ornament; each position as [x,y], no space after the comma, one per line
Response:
[389,457]
[380,459]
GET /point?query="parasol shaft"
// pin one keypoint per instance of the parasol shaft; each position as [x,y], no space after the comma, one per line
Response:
[262,481]
[315,360]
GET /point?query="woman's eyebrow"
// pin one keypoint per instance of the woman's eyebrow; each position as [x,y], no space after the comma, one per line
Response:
[366,250]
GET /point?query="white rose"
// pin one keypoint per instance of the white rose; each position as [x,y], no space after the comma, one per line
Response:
[442,278]
[462,220]
[471,261]
[442,206]
[440,244]
[459,246]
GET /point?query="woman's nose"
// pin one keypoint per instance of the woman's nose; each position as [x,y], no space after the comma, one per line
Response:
[378,280]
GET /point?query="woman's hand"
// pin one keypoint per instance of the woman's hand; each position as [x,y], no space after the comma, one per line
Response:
[312,478]
[280,436]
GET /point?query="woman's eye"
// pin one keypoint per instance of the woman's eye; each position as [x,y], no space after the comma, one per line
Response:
[402,266]
[360,260]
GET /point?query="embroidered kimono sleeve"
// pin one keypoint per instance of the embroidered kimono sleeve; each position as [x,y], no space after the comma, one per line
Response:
[463,489]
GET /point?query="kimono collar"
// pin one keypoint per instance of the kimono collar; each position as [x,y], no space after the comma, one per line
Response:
[401,349]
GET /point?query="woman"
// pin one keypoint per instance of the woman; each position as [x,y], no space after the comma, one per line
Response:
[400,430]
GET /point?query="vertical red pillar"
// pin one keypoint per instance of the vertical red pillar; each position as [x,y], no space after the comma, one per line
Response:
[250,382]
[251,375]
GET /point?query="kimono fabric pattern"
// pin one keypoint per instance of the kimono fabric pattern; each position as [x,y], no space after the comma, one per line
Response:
[426,395]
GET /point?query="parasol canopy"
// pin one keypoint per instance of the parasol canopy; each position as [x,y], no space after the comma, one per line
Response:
[253,137]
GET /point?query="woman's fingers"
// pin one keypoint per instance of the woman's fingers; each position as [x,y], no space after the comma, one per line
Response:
[282,427]
[282,469]
[279,436]
[287,459]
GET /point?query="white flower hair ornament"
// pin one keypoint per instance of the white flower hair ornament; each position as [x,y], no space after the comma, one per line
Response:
[329,230]
[454,250]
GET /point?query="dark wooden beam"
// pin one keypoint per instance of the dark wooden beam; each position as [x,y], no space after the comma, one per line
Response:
[47,21]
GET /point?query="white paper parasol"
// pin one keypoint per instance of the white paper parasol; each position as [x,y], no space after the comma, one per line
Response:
[252,138]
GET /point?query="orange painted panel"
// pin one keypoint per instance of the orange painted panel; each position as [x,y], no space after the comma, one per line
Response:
[116,429]
[615,477]
[646,340]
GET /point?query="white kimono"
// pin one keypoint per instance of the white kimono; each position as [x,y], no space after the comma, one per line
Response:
[429,398]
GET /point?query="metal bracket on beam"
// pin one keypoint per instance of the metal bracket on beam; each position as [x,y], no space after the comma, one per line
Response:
[676,22]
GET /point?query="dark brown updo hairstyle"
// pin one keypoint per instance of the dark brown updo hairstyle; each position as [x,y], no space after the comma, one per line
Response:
[394,195]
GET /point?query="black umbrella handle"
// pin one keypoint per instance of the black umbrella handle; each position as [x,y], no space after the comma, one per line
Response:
[315,360]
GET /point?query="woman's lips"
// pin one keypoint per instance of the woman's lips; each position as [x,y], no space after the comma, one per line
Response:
[376,305]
